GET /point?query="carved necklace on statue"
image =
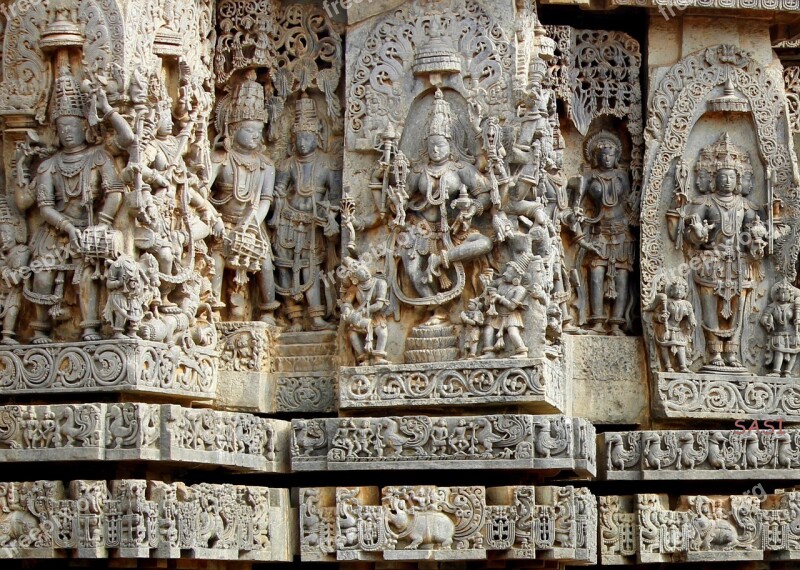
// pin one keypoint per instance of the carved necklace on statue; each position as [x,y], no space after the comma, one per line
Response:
[728,210]
[244,167]
[70,166]
[433,175]
[610,193]
[71,163]
[301,186]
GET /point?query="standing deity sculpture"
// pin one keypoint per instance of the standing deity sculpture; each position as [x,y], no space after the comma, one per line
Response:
[242,180]
[724,232]
[604,234]
[165,199]
[307,190]
[446,195]
[78,192]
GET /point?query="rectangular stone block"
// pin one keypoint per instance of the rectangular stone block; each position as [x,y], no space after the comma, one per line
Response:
[699,454]
[143,432]
[731,528]
[427,523]
[535,385]
[544,443]
[134,518]
[608,378]
[120,366]
[726,397]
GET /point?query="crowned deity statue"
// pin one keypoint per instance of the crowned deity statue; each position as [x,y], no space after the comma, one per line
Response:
[724,231]
[603,231]
[445,197]
[78,193]
[168,203]
[307,204]
[533,150]
[243,180]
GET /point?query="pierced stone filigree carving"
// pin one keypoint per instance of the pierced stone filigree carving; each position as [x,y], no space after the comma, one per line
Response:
[643,529]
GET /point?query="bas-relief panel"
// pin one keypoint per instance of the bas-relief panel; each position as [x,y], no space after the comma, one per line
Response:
[226,195]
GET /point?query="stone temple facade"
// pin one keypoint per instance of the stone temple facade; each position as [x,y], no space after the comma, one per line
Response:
[386,284]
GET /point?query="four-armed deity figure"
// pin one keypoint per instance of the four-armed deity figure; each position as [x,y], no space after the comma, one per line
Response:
[604,233]
[722,228]
[445,196]
[305,215]
[78,192]
[243,180]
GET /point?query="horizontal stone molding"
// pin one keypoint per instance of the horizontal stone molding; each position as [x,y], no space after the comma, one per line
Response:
[726,397]
[119,365]
[642,529]
[700,454]
[503,441]
[423,522]
[673,7]
[134,518]
[535,385]
[143,432]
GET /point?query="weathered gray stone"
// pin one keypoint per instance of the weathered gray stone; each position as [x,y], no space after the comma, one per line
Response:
[608,379]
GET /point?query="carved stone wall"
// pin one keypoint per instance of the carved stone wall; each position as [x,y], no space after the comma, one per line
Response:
[466,262]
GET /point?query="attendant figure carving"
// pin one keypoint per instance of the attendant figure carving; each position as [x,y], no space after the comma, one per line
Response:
[781,320]
[603,232]
[305,217]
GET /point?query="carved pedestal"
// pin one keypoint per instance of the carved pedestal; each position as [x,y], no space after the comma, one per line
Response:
[535,385]
[127,366]
[246,358]
[305,372]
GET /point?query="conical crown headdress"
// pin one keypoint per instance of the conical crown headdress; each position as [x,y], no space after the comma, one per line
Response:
[440,119]
[725,154]
[305,115]
[68,100]
[247,101]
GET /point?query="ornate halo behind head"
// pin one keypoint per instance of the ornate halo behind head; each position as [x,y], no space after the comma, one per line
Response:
[599,140]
